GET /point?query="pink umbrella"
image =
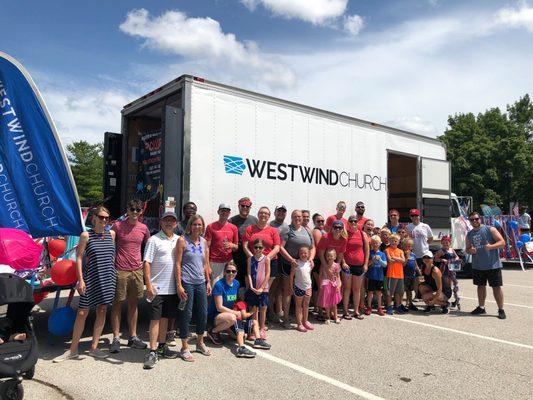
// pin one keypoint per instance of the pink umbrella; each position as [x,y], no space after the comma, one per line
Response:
[18,250]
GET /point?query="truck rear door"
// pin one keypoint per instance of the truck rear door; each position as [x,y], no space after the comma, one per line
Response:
[435,187]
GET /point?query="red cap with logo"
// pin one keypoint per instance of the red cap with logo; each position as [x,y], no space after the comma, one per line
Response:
[245,201]
[414,211]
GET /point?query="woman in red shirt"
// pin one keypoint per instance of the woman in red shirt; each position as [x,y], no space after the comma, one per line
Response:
[354,267]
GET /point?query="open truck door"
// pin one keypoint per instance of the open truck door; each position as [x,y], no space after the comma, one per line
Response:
[435,179]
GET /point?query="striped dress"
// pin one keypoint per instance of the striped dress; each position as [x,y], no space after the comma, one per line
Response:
[99,272]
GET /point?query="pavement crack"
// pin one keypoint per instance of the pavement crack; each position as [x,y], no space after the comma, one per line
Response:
[54,387]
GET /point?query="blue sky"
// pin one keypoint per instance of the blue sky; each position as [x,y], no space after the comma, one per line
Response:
[404,63]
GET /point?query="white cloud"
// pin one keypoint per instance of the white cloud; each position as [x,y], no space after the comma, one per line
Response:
[520,17]
[85,113]
[317,12]
[202,40]
[353,24]
[413,123]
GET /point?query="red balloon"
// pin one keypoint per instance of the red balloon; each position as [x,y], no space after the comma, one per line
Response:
[64,272]
[56,247]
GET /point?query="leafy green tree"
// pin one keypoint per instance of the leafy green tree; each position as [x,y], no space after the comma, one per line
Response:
[86,163]
[492,154]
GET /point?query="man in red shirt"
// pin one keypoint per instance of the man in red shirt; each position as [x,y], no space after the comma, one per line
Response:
[222,238]
[359,211]
[131,234]
[341,209]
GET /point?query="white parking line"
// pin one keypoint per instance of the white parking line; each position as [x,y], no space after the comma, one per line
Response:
[491,301]
[316,375]
[527,287]
[442,328]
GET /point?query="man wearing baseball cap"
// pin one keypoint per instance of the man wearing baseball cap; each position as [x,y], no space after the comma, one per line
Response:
[242,220]
[359,214]
[421,233]
[222,238]
[161,287]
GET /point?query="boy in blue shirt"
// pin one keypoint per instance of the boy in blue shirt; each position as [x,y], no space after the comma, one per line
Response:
[377,263]
[410,272]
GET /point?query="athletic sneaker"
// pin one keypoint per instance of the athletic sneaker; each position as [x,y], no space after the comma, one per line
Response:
[115,346]
[67,355]
[501,314]
[398,310]
[368,311]
[261,344]
[243,352]
[171,338]
[301,328]
[404,308]
[135,343]
[381,312]
[445,310]
[429,309]
[389,310]
[412,307]
[478,311]
[165,352]
[97,353]
[150,360]
[214,337]
[287,323]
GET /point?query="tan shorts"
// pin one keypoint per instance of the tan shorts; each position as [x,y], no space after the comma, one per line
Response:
[130,284]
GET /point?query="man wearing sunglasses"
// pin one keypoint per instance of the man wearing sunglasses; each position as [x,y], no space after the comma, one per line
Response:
[242,221]
[394,221]
[483,242]
[359,214]
[130,236]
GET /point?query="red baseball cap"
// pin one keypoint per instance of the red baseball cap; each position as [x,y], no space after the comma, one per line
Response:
[245,201]
[414,211]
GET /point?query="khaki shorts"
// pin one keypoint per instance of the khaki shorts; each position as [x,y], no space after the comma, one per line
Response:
[130,284]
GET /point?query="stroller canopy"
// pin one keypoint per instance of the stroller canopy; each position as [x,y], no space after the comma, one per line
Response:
[14,290]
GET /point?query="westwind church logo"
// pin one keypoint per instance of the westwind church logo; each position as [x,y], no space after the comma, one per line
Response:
[292,172]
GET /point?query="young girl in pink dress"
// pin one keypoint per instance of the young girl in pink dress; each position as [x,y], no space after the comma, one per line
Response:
[330,289]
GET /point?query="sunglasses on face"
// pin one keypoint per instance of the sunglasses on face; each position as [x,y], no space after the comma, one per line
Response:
[351,221]
[244,206]
[319,221]
[338,228]
[102,218]
[360,207]
[231,271]
[474,219]
[258,247]
[132,209]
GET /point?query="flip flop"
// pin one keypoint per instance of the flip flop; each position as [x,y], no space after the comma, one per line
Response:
[358,316]
[186,356]
[347,316]
[203,350]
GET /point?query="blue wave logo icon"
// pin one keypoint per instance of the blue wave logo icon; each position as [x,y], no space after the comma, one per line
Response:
[234,165]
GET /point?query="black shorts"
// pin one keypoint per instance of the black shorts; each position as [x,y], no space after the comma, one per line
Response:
[240,259]
[164,306]
[409,283]
[284,267]
[493,276]
[274,268]
[356,270]
[374,285]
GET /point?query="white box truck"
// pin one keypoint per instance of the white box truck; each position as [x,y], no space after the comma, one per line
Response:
[201,141]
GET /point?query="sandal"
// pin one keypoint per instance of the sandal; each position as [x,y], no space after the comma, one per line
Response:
[186,356]
[202,349]
[347,316]
[358,316]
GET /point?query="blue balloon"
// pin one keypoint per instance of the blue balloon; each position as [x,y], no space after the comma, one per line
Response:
[61,321]
[524,237]
[496,224]
[513,225]
[519,244]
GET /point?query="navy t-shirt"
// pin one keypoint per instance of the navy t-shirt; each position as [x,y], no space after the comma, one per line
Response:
[228,293]
[376,268]
[409,269]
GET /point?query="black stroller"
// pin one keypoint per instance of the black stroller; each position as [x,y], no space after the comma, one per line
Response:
[17,358]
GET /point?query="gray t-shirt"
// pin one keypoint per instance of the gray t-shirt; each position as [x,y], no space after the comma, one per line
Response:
[296,239]
[192,262]
[283,229]
[242,223]
[483,259]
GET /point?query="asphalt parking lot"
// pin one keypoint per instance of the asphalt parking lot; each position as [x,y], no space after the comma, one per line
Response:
[415,356]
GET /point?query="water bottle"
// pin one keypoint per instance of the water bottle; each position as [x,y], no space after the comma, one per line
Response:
[182,304]
[149,299]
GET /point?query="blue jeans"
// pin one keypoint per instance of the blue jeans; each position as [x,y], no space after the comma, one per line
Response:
[196,306]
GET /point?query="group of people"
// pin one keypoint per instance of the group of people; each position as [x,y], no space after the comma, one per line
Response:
[231,276]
